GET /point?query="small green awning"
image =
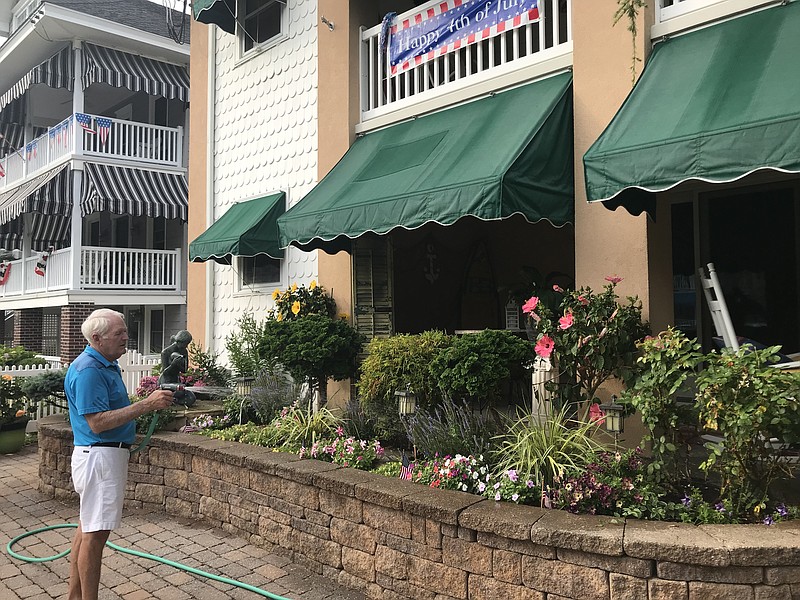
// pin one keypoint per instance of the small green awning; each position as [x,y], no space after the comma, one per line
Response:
[221,13]
[712,105]
[246,229]
[510,153]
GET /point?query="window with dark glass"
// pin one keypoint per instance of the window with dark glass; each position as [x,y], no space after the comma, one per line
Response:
[263,21]
[259,270]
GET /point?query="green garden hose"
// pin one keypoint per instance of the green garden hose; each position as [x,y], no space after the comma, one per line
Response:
[160,559]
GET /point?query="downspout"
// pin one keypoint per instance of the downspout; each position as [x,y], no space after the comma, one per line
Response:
[210,122]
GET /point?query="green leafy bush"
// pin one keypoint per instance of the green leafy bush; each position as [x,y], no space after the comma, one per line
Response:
[243,347]
[206,364]
[749,404]
[46,387]
[591,336]
[301,301]
[667,364]
[475,366]
[18,356]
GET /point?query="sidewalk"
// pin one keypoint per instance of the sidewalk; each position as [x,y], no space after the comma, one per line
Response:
[126,577]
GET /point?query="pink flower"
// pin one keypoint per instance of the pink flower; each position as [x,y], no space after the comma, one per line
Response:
[557,288]
[565,322]
[530,305]
[596,414]
[615,279]
[544,347]
[583,300]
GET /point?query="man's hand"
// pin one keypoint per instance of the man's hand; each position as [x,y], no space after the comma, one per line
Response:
[158,400]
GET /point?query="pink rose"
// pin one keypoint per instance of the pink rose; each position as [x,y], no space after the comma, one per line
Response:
[544,347]
[530,305]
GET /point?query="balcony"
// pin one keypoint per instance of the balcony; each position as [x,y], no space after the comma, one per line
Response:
[511,56]
[98,269]
[103,137]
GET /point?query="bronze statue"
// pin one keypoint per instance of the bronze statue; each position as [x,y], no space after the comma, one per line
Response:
[174,361]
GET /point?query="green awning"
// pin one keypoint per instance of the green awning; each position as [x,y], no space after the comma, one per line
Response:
[510,153]
[221,13]
[712,105]
[246,229]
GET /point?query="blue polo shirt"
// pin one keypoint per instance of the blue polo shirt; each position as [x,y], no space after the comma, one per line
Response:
[94,384]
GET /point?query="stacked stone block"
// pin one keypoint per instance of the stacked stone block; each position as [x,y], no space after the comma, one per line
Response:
[393,539]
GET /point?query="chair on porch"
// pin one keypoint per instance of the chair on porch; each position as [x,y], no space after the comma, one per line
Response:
[722,319]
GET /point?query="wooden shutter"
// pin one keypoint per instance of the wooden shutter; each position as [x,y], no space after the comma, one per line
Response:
[372,279]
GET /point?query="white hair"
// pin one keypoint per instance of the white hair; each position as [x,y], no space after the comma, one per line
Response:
[99,322]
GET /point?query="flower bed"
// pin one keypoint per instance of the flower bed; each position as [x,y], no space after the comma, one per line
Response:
[392,538]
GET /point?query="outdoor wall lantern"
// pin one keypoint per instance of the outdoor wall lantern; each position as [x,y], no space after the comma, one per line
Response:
[244,385]
[406,401]
[615,420]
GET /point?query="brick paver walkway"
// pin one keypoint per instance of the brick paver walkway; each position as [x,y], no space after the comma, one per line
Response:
[126,577]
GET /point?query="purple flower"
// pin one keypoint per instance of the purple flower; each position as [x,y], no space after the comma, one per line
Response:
[768,520]
[686,501]
[781,508]
[719,507]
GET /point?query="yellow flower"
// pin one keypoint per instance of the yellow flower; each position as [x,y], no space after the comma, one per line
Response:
[344,316]
[279,317]
[296,307]
[294,287]
[275,294]
[313,284]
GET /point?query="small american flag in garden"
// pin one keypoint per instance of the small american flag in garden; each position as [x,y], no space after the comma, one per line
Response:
[103,129]
[85,121]
[406,467]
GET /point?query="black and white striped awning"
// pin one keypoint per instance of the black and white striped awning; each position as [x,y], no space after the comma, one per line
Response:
[55,72]
[137,73]
[48,197]
[136,192]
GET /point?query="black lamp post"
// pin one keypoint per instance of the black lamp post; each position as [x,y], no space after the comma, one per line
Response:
[406,401]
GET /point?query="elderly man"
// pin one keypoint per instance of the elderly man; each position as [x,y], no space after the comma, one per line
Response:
[103,425]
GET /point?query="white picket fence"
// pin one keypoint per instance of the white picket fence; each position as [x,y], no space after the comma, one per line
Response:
[134,366]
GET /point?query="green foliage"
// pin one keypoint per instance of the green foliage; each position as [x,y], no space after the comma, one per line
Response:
[207,366]
[695,509]
[298,302]
[667,363]
[299,426]
[592,336]
[13,404]
[462,473]
[476,365]
[748,403]
[390,365]
[451,428]
[45,387]
[345,451]
[242,346]
[544,452]
[18,356]
[313,348]
[628,10]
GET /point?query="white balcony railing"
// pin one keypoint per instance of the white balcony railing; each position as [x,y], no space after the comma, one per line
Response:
[383,92]
[100,269]
[123,140]
[676,16]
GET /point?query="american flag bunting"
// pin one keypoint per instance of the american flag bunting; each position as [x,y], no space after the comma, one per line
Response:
[103,129]
[85,121]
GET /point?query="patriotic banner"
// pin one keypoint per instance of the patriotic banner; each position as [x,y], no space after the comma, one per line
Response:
[2,171]
[5,271]
[85,121]
[103,129]
[406,467]
[41,264]
[454,24]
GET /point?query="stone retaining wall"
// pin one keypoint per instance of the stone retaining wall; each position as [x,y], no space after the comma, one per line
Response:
[394,539]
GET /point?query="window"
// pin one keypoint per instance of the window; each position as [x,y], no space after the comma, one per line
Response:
[263,21]
[259,270]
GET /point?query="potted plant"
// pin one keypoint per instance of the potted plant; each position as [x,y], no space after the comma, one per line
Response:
[14,415]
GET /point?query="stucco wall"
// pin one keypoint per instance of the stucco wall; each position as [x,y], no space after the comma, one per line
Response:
[265,140]
[394,539]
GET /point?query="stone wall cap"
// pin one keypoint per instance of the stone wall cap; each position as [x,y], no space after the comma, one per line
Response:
[269,461]
[505,519]
[586,533]
[674,542]
[440,505]
[386,491]
[343,481]
[303,469]
[758,545]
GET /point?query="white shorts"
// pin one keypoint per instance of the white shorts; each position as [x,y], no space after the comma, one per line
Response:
[99,475]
